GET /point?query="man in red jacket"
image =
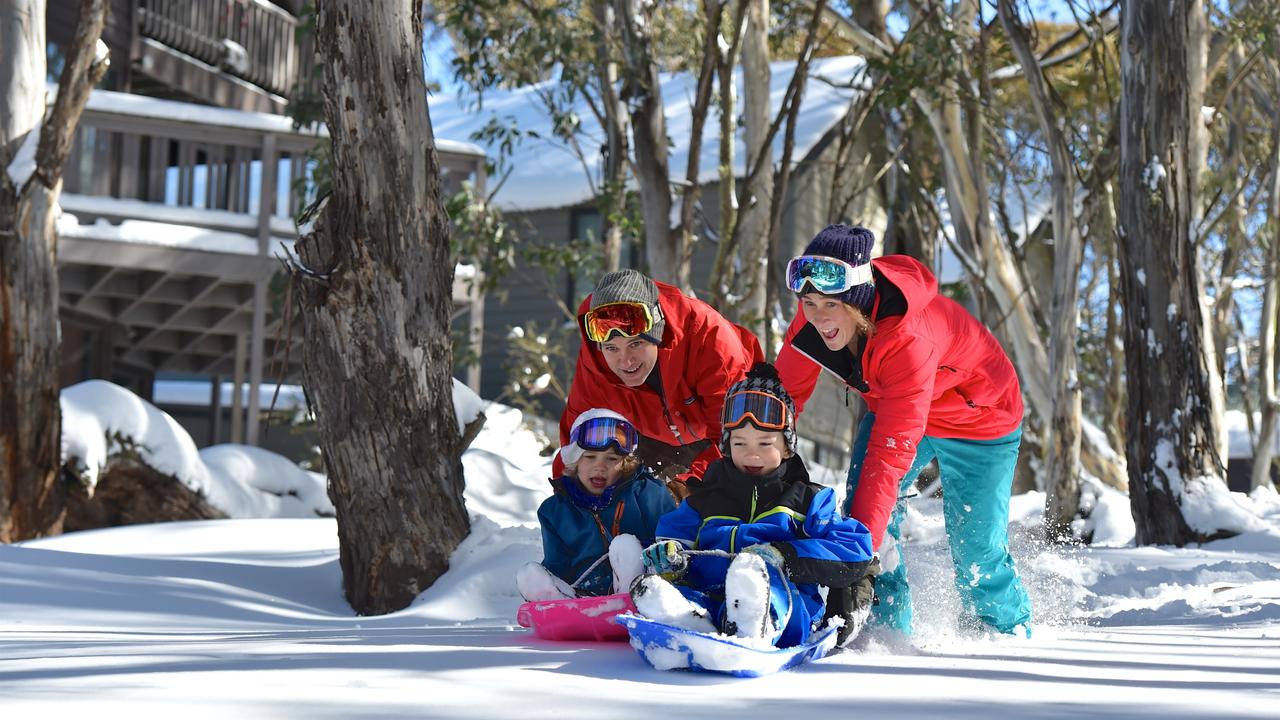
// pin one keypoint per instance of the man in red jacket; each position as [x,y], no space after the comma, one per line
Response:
[662,360]
[937,385]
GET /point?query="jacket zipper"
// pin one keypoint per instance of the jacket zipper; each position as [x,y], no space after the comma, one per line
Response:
[666,412]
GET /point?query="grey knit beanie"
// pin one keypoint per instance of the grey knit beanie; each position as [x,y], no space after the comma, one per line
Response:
[762,377]
[631,286]
[853,245]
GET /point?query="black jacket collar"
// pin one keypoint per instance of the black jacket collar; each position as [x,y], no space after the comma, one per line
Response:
[845,365]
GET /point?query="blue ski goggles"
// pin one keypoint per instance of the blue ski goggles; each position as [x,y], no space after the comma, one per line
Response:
[765,411]
[599,434]
[827,275]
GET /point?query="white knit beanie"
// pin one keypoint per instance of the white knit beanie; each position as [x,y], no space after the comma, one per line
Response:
[571,453]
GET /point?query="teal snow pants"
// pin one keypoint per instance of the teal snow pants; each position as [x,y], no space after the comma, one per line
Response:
[977,479]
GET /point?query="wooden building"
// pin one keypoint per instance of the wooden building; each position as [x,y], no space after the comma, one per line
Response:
[179,200]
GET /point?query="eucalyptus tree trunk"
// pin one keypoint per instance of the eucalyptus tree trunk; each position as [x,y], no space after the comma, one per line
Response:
[1171,442]
[753,216]
[1270,401]
[1237,236]
[713,13]
[32,503]
[614,201]
[728,121]
[1063,482]
[642,93]
[1113,396]
[375,285]
[987,258]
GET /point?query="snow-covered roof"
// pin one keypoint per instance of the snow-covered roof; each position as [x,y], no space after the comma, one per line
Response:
[546,173]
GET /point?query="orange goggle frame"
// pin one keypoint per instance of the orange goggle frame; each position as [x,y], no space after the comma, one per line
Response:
[760,408]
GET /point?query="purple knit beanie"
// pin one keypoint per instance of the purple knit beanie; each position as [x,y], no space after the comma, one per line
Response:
[853,245]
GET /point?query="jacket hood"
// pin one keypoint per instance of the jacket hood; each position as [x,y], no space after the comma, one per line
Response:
[916,283]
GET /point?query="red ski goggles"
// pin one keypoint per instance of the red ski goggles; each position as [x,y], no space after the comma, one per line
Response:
[827,275]
[599,434]
[760,408]
[627,319]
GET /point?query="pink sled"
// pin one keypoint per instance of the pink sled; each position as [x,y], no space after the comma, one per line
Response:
[585,618]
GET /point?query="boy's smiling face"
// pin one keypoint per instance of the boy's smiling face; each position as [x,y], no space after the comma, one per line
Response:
[755,451]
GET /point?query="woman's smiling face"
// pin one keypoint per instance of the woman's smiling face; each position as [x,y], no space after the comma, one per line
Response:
[831,317]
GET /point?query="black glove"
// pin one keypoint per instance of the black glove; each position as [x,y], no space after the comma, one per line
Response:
[853,603]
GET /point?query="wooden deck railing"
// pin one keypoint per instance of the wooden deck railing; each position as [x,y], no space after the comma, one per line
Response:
[181,155]
[218,31]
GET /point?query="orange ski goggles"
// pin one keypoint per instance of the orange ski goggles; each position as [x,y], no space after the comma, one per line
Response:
[760,408]
[627,319]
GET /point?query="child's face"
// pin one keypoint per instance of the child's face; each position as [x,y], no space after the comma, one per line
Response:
[755,451]
[599,469]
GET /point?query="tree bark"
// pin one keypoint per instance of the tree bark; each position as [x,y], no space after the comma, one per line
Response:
[1063,459]
[375,284]
[991,265]
[692,188]
[757,206]
[614,200]
[1113,398]
[642,91]
[1172,435]
[728,93]
[1270,401]
[32,500]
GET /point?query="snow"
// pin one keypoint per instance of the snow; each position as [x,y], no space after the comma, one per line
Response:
[100,419]
[1206,503]
[161,234]
[247,618]
[172,214]
[1153,174]
[467,405]
[546,174]
[23,165]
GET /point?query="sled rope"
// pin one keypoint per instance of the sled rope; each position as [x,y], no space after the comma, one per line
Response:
[586,573]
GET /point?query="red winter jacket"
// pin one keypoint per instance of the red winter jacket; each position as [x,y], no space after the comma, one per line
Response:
[930,369]
[701,355]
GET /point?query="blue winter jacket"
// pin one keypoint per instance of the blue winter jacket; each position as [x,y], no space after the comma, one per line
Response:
[576,534]
[730,510]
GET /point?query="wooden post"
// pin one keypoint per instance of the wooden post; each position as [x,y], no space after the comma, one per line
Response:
[266,204]
[237,392]
[215,409]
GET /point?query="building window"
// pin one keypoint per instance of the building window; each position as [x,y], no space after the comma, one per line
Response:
[585,224]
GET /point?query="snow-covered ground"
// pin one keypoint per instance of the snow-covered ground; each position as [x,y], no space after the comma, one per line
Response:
[245,618]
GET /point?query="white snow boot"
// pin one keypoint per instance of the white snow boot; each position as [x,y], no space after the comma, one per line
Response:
[624,558]
[536,583]
[657,599]
[746,598]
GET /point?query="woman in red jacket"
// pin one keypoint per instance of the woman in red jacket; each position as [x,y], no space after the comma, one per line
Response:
[937,385]
[664,361]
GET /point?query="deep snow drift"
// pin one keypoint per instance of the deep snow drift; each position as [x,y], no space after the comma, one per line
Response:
[247,617]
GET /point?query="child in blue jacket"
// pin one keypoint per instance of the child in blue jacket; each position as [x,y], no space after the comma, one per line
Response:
[784,533]
[603,512]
